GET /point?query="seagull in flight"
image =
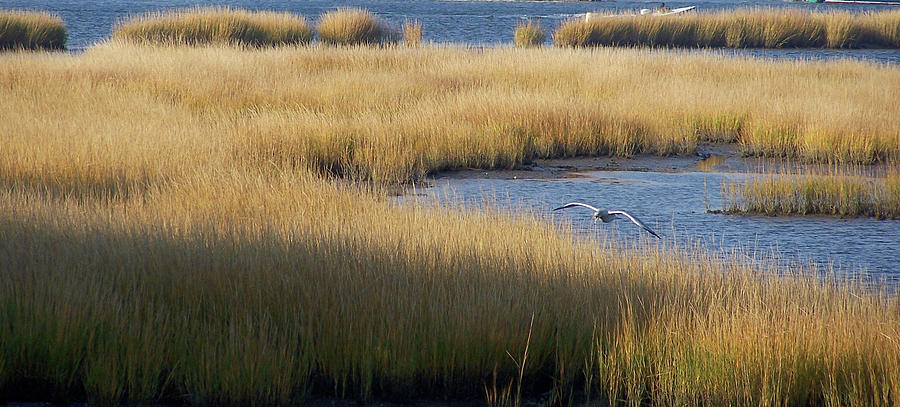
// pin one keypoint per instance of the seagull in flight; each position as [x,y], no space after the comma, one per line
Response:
[609,216]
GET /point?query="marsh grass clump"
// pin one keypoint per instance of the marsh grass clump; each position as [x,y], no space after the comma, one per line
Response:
[743,28]
[353,26]
[884,27]
[836,192]
[215,25]
[529,34]
[572,33]
[412,33]
[31,30]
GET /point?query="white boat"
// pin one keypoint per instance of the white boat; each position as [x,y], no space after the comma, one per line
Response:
[643,12]
[673,11]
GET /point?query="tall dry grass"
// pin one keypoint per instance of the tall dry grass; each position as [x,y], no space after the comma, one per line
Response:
[836,191]
[394,115]
[166,236]
[215,25]
[743,28]
[352,26]
[22,29]
[247,286]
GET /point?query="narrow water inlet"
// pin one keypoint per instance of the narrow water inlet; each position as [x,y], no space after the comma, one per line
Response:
[675,205]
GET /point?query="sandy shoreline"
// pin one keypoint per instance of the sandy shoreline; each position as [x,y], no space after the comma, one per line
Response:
[721,158]
[712,157]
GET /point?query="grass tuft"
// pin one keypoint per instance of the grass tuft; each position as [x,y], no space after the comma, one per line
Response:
[529,34]
[352,26]
[412,33]
[31,30]
[215,25]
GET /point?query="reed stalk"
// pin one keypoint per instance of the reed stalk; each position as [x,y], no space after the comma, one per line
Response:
[412,33]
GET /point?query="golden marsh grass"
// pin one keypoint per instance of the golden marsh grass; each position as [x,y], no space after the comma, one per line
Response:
[167,236]
[838,192]
[21,29]
[215,25]
[245,286]
[743,28]
[392,115]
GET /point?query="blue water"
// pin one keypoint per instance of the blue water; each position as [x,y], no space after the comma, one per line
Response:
[468,22]
[674,205]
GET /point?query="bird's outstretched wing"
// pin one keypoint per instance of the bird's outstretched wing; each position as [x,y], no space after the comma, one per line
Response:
[635,220]
[571,204]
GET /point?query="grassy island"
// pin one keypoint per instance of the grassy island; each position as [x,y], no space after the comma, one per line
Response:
[206,225]
[221,25]
[747,28]
[838,192]
[31,30]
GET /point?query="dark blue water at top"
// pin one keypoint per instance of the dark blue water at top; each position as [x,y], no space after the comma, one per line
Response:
[675,204]
[467,22]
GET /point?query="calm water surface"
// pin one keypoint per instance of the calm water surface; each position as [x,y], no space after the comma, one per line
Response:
[673,205]
[469,22]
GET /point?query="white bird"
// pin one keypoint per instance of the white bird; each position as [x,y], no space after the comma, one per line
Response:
[608,216]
